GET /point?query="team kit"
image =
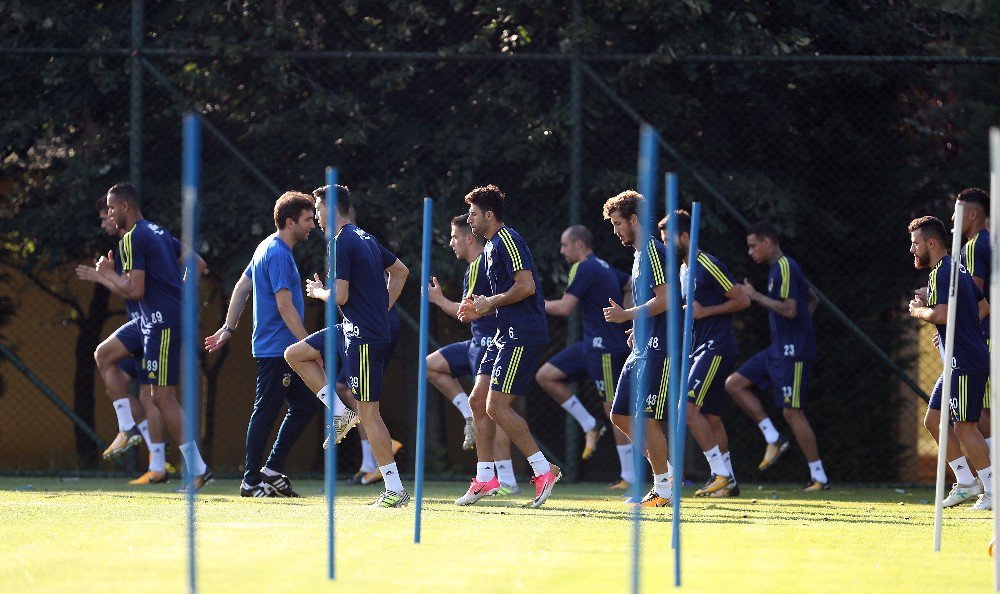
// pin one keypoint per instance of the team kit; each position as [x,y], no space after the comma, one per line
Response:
[503,304]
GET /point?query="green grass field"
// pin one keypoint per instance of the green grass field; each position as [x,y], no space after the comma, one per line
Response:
[101,536]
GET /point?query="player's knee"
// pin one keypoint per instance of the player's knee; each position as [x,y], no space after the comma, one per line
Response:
[496,407]
[477,402]
[793,414]
[733,384]
[621,422]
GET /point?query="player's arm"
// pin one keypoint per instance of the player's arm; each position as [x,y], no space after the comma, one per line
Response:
[980,282]
[199,262]
[237,302]
[523,287]
[736,301]
[984,309]
[91,275]
[934,314]
[653,307]
[397,277]
[563,306]
[628,299]
[787,308]
[130,285]
[813,302]
[290,315]
[316,290]
[436,296]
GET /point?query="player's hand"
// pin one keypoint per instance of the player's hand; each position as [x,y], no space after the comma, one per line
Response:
[215,341]
[628,339]
[88,273]
[106,264]
[697,310]
[434,293]
[748,289]
[921,294]
[481,304]
[615,314]
[915,304]
[466,312]
[315,288]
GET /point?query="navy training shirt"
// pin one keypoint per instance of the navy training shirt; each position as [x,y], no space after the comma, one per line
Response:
[362,261]
[977,260]
[132,307]
[644,279]
[477,282]
[971,354]
[593,282]
[150,248]
[522,323]
[272,269]
[711,283]
[791,338]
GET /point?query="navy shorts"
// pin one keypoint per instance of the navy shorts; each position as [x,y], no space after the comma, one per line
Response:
[161,356]
[654,373]
[465,357]
[707,381]
[787,378]
[967,395]
[365,364]
[512,368]
[577,362]
[317,340]
[130,335]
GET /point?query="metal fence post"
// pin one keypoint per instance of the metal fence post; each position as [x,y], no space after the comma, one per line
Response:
[135,92]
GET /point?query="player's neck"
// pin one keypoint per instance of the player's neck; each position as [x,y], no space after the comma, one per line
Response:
[775,256]
[639,238]
[974,231]
[131,220]
[473,254]
[492,229]
[286,236]
[936,256]
[584,255]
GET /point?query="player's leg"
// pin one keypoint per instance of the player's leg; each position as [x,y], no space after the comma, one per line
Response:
[790,379]
[705,374]
[268,397]
[568,365]
[485,482]
[606,388]
[966,488]
[157,471]
[966,408]
[302,405]
[115,348]
[504,464]
[306,359]
[754,372]
[444,366]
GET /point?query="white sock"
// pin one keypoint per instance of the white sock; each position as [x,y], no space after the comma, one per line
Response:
[767,428]
[575,408]
[715,462]
[484,472]
[989,444]
[157,457]
[268,472]
[816,471]
[192,458]
[391,477]
[505,472]
[625,459]
[662,484]
[986,475]
[729,465]
[144,429]
[368,463]
[124,412]
[670,470]
[539,465]
[324,397]
[461,402]
[963,474]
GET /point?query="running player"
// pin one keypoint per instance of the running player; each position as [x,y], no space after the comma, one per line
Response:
[602,352]
[447,364]
[786,366]
[509,364]
[647,363]
[364,295]
[713,355]
[977,260]
[971,359]
[151,276]
[278,321]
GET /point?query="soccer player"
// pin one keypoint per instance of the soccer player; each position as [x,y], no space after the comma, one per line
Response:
[713,354]
[977,260]
[786,366]
[647,363]
[151,276]
[971,359]
[364,295]
[120,378]
[602,352]
[447,364]
[509,364]
[278,322]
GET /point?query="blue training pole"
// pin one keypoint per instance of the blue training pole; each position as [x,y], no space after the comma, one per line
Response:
[682,393]
[674,381]
[648,148]
[190,192]
[331,359]
[425,279]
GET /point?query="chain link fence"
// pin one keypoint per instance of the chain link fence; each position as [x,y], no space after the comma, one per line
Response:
[840,152]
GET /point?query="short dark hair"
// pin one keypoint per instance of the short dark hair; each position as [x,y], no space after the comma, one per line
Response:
[126,192]
[930,227]
[101,204]
[582,233]
[975,196]
[764,230]
[462,222]
[343,198]
[683,221]
[290,206]
[625,204]
[487,198]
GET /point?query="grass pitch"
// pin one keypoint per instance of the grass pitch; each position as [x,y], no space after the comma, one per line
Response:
[100,535]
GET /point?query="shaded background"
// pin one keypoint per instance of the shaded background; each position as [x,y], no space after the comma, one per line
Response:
[840,124]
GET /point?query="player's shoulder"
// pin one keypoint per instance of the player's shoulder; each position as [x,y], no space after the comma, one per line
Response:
[506,234]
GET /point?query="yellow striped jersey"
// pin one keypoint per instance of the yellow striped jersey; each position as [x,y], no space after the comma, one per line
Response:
[522,323]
